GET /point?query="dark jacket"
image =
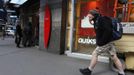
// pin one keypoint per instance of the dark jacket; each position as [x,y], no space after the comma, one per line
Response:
[18,31]
[103,29]
[28,29]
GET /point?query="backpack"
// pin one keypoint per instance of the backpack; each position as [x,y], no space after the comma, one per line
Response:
[117,29]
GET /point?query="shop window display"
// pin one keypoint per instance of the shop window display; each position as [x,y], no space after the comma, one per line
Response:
[84,34]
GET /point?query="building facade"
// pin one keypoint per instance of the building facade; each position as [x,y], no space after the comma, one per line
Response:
[56,41]
[64,27]
[70,16]
[29,12]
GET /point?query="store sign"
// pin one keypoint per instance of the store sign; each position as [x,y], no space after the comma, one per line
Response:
[86,32]
[85,23]
[128,27]
[87,41]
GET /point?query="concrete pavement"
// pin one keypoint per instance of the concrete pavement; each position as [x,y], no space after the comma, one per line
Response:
[31,61]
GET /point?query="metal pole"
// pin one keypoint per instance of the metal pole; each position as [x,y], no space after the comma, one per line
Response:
[71,26]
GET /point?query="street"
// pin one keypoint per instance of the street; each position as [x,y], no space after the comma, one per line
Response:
[32,61]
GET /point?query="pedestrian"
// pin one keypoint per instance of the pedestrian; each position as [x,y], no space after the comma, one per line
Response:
[104,44]
[3,32]
[18,35]
[27,32]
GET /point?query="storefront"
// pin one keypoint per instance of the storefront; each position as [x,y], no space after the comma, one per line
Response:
[80,33]
[29,12]
[71,31]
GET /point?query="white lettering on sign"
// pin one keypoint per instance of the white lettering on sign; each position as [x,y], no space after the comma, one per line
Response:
[127,24]
[87,41]
[128,27]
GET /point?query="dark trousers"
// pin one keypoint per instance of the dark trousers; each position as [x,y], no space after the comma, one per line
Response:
[18,41]
[27,41]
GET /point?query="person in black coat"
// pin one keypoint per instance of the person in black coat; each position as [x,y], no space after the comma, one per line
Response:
[27,35]
[18,35]
[103,29]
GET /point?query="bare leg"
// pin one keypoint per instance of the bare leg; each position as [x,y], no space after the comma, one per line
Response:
[118,63]
[93,60]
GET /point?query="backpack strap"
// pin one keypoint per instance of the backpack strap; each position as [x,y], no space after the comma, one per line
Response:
[96,22]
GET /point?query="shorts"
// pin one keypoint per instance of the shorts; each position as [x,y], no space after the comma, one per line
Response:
[108,49]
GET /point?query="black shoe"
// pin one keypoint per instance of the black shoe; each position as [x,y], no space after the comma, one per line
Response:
[18,46]
[85,71]
[24,46]
[121,74]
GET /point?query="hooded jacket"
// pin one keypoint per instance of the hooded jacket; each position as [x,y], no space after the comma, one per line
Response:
[103,29]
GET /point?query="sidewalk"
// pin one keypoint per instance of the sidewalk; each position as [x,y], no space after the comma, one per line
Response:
[31,61]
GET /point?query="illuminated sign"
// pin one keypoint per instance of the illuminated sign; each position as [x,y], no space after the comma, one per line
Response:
[128,27]
[87,41]
[85,23]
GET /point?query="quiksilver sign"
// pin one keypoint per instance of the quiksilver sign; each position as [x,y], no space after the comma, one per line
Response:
[87,41]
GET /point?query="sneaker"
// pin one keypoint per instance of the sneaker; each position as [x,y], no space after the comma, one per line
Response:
[121,74]
[85,71]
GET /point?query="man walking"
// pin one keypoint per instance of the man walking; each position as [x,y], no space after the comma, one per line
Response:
[18,35]
[103,29]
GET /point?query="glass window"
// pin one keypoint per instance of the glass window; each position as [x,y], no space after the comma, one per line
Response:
[84,34]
